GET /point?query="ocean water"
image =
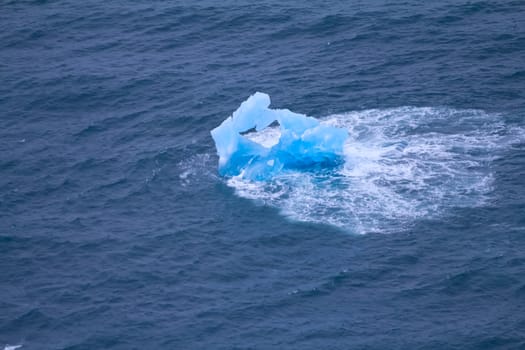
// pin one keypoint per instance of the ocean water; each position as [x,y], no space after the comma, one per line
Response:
[117,232]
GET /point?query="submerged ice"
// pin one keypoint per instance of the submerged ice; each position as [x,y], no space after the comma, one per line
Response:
[303,141]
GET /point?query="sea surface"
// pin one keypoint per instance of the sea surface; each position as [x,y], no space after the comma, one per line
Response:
[117,231]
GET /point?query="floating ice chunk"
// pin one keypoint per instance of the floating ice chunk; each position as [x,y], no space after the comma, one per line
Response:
[12,347]
[303,143]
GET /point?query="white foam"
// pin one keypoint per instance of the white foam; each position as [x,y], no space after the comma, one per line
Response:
[401,164]
[268,137]
[194,167]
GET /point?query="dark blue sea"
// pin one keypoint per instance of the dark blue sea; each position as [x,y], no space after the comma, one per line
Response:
[118,232]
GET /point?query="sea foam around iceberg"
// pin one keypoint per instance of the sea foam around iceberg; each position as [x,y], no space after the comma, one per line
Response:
[396,165]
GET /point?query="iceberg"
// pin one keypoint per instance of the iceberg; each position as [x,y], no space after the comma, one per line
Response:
[304,142]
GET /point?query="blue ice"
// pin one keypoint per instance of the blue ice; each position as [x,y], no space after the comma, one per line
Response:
[304,142]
